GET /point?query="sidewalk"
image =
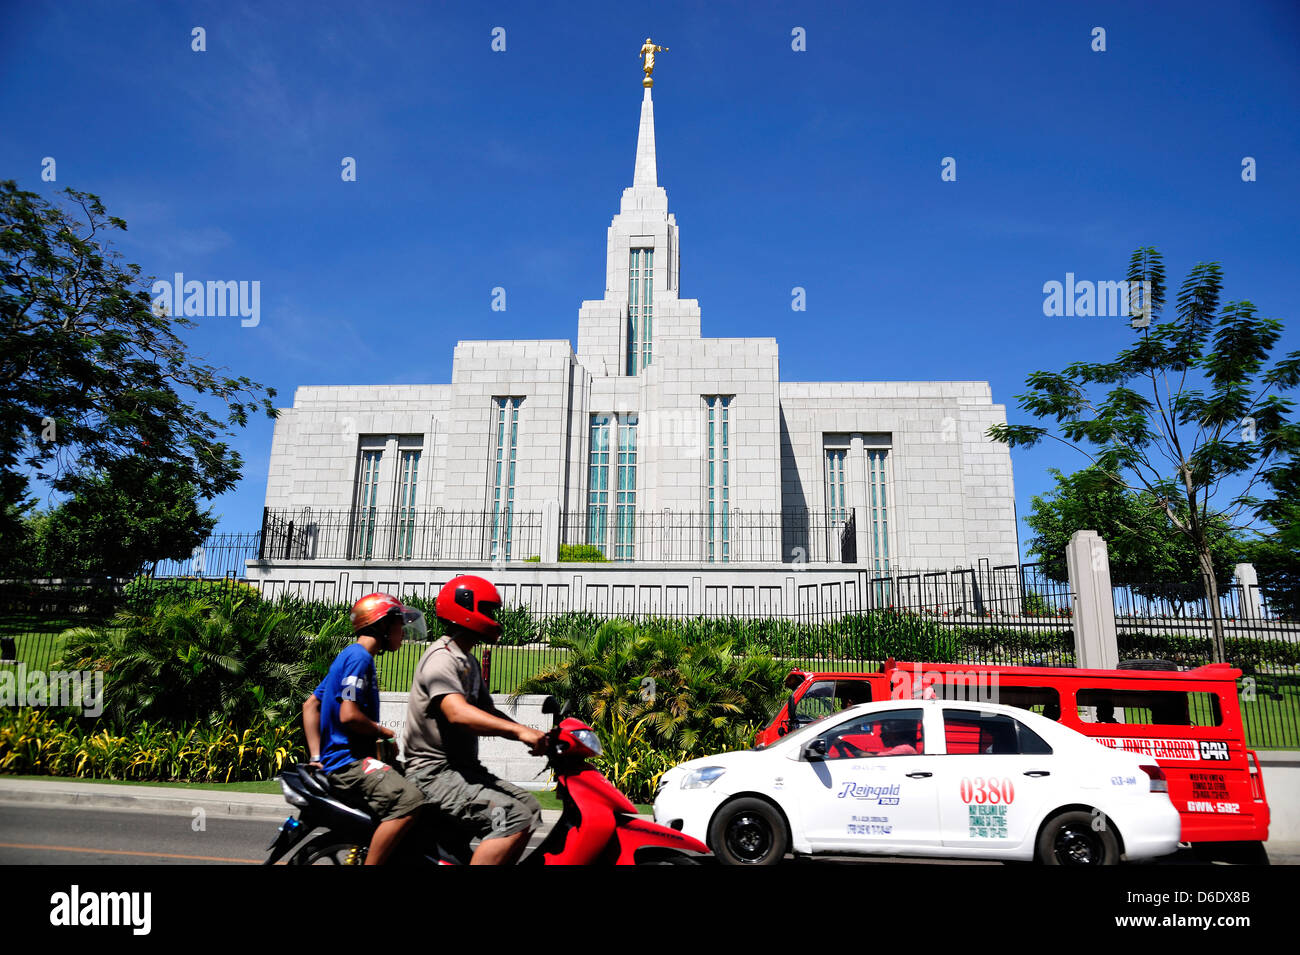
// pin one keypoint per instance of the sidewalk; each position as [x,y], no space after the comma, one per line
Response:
[66,793]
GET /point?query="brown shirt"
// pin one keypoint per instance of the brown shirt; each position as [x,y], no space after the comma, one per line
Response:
[429,742]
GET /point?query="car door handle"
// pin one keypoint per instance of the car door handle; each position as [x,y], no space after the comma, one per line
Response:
[919,775]
[1037,772]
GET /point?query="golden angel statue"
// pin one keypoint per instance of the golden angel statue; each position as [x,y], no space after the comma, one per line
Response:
[648,51]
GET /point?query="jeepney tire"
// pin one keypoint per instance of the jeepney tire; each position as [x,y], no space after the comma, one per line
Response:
[749,831]
[1069,838]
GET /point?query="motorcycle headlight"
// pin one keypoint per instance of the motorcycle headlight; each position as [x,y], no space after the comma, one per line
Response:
[589,739]
[701,778]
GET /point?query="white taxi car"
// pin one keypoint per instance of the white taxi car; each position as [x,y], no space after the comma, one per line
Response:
[926,778]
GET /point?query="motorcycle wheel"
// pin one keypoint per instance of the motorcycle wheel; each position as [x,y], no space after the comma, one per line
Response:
[329,850]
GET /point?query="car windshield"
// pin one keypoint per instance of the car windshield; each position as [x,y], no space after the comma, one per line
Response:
[803,733]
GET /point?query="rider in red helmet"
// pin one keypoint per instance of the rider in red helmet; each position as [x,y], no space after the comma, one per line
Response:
[341,722]
[449,709]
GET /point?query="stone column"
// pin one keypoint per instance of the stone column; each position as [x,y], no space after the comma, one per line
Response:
[550,531]
[1249,581]
[858,501]
[1095,644]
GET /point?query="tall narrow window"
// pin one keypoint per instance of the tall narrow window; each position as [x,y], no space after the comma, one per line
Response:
[407,475]
[640,308]
[625,500]
[598,482]
[837,511]
[506,443]
[367,503]
[605,429]
[877,499]
[717,478]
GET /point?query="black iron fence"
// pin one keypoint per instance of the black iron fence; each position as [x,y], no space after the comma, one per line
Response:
[392,533]
[723,535]
[618,533]
[1009,614]
[221,555]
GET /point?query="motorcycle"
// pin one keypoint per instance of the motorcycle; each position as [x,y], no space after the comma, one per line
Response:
[598,825]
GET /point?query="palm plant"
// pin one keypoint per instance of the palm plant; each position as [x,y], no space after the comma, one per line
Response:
[218,658]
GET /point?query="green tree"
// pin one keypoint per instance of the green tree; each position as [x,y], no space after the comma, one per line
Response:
[1189,406]
[1278,567]
[116,523]
[1147,553]
[91,376]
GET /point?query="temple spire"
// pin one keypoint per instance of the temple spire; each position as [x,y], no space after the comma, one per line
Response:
[647,172]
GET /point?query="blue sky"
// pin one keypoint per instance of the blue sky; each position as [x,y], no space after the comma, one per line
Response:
[819,169]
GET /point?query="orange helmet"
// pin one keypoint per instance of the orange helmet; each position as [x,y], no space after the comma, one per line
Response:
[472,603]
[372,608]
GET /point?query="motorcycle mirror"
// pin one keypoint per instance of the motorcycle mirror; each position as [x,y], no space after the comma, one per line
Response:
[552,707]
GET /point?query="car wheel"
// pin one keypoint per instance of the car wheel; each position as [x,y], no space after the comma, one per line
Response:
[748,832]
[1071,838]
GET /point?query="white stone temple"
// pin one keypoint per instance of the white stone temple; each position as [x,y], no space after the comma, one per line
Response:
[667,451]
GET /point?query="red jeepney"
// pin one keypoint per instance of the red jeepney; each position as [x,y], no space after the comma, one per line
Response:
[1190,721]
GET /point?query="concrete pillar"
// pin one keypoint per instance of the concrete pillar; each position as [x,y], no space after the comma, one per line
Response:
[1088,561]
[1249,581]
[858,498]
[550,531]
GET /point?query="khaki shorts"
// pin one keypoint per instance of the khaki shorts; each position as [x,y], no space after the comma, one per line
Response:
[382,789]
[485,806]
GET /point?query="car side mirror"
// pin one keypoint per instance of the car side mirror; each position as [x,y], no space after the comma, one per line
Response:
[816,750]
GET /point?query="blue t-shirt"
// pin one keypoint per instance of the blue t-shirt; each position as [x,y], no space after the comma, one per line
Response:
[351,677]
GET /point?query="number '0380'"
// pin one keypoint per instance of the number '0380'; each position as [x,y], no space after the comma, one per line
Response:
[987,791]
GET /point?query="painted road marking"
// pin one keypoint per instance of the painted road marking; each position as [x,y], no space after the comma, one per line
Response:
[128,852]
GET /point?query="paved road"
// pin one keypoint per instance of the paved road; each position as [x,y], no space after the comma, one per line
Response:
[58,835]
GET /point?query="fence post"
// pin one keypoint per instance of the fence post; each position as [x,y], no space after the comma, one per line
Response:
[1095,644]
[1249,581]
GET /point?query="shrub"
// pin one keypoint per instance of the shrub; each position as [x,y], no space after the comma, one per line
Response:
[143,592]
[35,743]
[660,694]
[582,553]
[217,659]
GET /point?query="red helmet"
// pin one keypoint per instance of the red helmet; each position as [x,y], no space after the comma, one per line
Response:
[472,603]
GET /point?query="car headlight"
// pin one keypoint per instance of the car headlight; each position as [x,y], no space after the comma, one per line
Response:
[702,778]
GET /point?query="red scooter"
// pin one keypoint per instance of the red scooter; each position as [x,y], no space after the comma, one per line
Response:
[598,826]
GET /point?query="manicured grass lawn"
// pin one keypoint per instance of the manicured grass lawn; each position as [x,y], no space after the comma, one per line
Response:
[510,666]
[39,652]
